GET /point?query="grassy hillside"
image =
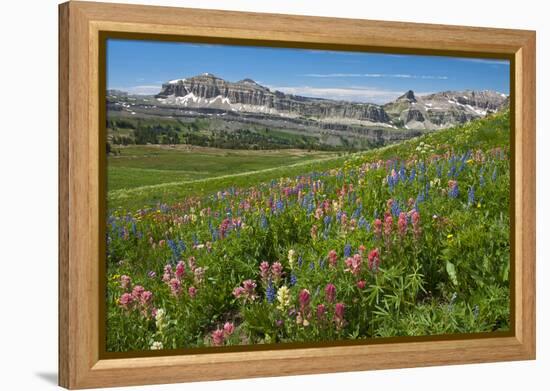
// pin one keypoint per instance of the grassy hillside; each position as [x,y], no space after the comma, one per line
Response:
[143,176]
[406,240]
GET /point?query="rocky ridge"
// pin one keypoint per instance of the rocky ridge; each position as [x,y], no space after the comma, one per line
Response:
[434,111]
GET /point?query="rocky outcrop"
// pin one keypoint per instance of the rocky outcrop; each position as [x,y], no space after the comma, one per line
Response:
[407,97]
[247,95]
[443,109]
[414,115]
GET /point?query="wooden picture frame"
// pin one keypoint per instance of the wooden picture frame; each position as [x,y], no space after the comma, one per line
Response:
[81,24]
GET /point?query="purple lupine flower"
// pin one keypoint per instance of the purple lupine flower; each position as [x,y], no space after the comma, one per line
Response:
[347,250]
[471,196]
[293,279]
[270,292]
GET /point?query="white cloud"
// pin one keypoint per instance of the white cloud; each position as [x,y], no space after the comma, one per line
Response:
[140,90]
[341,52]
[354,94]
[486,61]
[376,75]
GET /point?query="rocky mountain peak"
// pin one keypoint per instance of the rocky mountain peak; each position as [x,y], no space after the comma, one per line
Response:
[204,77]
[407,96]
[443,109]
[247,81]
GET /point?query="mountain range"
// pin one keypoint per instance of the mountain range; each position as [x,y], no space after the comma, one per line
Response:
[409,111]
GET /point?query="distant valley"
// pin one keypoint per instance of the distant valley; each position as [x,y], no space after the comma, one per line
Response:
[206,110]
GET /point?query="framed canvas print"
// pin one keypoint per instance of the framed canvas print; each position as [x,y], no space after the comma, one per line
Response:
[248,195]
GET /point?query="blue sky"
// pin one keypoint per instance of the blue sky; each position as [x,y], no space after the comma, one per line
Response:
[142,66]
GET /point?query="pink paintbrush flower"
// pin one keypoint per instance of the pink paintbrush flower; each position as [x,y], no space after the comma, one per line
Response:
[343,219]
[249,287]
[377,227]
[304,297]
[330,293]
[228,328]
[192,292]
[402,223]
[374,260]
[238,292]
[146,298]
[192,263]
[332,258]
[218,337]
[247,291]
[180,270]
[137,292]
[125,282]
[388,224]
[126,301]
[175,286]
[321,311]
[167,275]
[276,271]
[264,271]
[354,264]
[339,310]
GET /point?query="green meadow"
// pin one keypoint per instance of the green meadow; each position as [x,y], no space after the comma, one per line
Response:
[142,175]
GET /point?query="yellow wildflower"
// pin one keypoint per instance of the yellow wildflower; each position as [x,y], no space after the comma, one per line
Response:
[283,297]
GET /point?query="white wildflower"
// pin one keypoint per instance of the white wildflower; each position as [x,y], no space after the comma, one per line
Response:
[160,320]
[283,298]
[291,257]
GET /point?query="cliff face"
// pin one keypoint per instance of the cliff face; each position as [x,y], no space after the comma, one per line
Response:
[207,90]
[415,112]
[209,86]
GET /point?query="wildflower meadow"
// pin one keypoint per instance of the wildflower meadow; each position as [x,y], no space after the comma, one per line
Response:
[411,239]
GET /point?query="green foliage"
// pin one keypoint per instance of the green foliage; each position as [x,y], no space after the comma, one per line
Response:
[414,237]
